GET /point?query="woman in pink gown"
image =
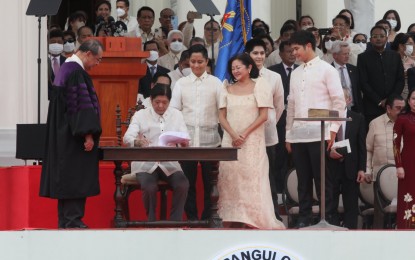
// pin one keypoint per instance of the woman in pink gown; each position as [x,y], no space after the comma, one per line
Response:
[245,194]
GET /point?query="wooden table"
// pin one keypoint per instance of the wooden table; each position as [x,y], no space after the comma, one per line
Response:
[123,154]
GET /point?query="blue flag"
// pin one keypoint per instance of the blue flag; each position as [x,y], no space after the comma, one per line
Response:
[236,31]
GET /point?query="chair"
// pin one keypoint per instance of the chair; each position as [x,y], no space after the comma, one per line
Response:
[366,203]
[387,191]
[291,201]
[128,180]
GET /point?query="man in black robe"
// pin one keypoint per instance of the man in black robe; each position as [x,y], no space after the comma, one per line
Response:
[70,166]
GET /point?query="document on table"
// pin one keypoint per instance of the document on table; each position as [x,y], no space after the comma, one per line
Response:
[172,137]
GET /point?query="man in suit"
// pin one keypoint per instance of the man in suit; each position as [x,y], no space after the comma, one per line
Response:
[284,69]
[381,74]
[152,68]
[55,58]
[347,170]
[348,74]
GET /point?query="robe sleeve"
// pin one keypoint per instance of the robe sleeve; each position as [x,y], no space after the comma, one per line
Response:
[82,105]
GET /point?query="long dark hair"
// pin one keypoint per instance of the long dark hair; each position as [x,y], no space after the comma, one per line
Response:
[407,108]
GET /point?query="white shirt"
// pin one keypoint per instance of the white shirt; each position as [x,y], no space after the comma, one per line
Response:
[274,81]
[144,36]
[170,59]
[198,99]
[315,84]
[379,144]
[152,125]
[175,75]
[132,25]
[76,59]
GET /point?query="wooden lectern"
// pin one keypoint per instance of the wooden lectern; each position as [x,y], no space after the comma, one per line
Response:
[116,80]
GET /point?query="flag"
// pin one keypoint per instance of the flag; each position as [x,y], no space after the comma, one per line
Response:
[236,31]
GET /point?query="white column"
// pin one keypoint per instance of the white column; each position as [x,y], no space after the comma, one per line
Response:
[280,11]
[363,14]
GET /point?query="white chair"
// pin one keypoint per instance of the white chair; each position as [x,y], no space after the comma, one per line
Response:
[387,191]
[291,200]
[366,202]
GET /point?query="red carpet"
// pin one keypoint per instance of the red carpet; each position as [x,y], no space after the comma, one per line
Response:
[22,208]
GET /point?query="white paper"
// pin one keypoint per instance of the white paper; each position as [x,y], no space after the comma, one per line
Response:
[171,137]
[343,143]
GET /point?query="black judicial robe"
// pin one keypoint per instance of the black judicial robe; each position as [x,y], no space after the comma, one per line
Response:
[68,171]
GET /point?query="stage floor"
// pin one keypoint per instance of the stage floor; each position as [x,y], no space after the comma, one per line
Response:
[185,244]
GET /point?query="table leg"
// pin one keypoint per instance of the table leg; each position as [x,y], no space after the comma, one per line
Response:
[119,220]
[215,220]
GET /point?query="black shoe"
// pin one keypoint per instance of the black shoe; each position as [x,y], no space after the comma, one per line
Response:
[301,225]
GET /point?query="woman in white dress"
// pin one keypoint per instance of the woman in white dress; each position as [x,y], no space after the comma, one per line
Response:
[245,194]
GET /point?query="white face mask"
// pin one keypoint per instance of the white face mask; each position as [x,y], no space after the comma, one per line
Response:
[408,50]
[186,71]
[176,46]
[120,12]
[305,27]
[55,48]
[362,45]
[69,47]
[328,45]
[79,24]
[153,56]
[393,23]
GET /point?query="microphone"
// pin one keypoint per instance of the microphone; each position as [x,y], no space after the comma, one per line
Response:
[110,26]
[120,29]
[100,20]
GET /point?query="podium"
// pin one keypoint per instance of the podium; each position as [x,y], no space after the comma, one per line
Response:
[116,80]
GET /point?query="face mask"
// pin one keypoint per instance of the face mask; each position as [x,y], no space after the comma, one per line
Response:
[69,47]
[393,23]
[55,48]
[409,49]
[120,12]
[186,71]
[305,27]
[362,45]
[153,56]
[79,24]
[328,45]
[176,46]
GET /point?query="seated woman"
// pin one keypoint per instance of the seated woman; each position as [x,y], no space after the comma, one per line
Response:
[144,130]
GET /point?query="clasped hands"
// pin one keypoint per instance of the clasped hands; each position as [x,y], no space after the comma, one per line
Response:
[238,141]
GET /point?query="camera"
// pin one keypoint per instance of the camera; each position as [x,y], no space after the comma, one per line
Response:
[324,31]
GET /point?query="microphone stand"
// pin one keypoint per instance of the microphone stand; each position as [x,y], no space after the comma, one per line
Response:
[212,43]
[39,61]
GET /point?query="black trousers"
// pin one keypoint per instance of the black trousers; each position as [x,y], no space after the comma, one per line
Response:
[190,170]
[272,160]
[306,158]
[284,161]
[350,193]
[149,188]
[71,212]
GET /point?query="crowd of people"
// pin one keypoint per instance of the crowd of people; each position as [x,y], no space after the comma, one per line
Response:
[368,78]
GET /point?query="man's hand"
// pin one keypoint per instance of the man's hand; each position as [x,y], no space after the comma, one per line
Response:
[288,147]
[89,143]
[331,141]
[361,177]
[335,155]
[141,141]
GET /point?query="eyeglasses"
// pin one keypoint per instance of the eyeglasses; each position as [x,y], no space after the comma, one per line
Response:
[69,40]
[97,59]
[360,41]
[378,36]
[330,39]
